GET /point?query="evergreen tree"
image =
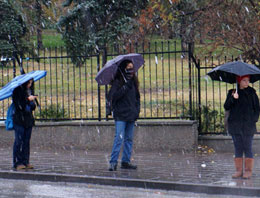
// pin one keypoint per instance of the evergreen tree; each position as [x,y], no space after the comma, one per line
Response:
[12,28]
[93,24]
[34,15]
[12,31]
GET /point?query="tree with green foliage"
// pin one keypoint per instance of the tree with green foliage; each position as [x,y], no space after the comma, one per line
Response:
[12,27]
[12,31]
[94,24]
[34,15]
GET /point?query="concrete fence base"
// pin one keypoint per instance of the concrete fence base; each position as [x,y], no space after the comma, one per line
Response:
[176,136]
[221,143]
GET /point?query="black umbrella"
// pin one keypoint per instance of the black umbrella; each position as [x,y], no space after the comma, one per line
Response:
[229,71]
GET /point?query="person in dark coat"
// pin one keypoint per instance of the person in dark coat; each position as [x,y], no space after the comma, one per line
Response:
[124,98]
[243,107]
[23,120]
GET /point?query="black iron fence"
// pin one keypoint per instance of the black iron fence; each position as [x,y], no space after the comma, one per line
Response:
[70,92]
[173,85]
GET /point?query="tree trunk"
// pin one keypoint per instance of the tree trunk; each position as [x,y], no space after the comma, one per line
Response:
[38,8]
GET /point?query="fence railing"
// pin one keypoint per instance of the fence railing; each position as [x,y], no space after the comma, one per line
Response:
[70,92]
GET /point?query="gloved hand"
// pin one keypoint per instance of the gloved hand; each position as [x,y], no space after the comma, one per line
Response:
[129,73]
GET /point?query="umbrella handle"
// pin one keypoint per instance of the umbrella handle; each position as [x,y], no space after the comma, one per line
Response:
[36,101]
[38,105]
[122,74]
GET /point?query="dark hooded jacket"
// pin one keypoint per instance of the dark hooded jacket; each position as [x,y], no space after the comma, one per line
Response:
[23,108]
[125,100]
[244,111]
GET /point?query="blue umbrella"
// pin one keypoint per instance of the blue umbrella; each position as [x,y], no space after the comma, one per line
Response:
[107,73]
[7,90]
[229,71]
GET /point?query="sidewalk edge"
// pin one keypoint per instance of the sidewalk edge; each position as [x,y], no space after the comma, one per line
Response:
[138,183]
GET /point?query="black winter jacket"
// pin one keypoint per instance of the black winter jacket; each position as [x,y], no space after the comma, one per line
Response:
[125,100]
[244,111]
[23,108]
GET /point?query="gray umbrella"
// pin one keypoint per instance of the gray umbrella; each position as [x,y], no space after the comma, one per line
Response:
[229,71]
[108,72]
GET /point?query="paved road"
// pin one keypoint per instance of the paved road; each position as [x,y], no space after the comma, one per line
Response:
[36,189]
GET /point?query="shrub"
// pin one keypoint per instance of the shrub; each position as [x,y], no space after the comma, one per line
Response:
[52,112]
[211,119]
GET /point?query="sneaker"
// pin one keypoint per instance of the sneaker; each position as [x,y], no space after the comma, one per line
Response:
[127,165]
[29,166]
[20,167]
[112,167]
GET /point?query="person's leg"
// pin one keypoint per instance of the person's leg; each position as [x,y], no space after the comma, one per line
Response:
[26,147]
[17,147]
[247,142]
[118,139]
[238,145]
[249,161]
[128,144]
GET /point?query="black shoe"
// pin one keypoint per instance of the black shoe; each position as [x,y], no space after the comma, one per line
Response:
[127,165]
[112,167]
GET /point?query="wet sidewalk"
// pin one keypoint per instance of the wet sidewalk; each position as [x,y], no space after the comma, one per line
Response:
[207,172]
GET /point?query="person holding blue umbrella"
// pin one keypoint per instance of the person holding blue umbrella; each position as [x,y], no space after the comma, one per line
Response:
[23,100]
[22,91]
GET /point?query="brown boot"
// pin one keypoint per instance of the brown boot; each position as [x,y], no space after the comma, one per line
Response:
[239,167]
[249,163]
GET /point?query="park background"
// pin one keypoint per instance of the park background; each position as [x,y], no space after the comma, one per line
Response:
[180,41]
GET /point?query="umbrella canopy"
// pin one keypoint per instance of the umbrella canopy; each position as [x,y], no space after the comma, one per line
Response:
[228,72]
[7,90]
[107,73]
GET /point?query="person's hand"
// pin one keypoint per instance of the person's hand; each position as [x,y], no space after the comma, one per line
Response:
[32,98]
[235,95]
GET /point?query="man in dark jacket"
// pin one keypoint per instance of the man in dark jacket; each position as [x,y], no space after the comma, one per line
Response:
[243,107]
[125,99]
[23,122]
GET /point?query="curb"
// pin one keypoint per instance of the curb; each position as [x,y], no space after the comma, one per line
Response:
[138,183]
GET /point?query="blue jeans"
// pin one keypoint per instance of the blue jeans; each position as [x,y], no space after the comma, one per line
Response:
[124,132]
[21,148]
[243,144]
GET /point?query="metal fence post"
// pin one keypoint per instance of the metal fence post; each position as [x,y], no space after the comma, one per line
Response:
[199,96]
[190,84]
[99,100]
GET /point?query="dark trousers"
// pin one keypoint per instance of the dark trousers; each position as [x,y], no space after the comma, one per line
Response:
[21,148]
[243,145]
